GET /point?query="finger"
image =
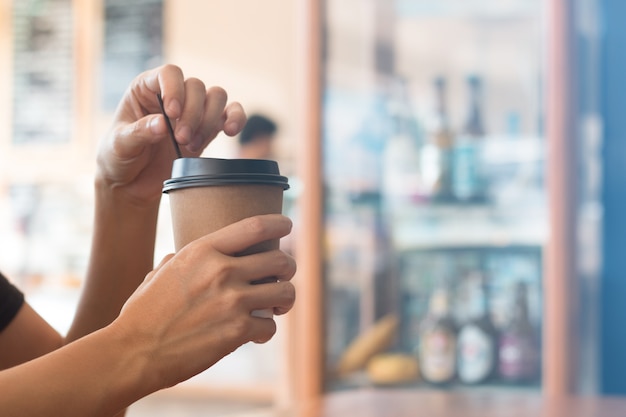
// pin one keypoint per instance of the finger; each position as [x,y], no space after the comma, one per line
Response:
[239,236]
[263,330]
[132,138]
[142,113]
[276,264]
[279,297]
[165,260]
[235,119]
[170,82]
[193,111]
[167,80]
[213,117]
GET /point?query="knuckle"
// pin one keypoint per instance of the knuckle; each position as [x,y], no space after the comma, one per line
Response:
[240,328]
[195,83]
[289,292]
[171,68]
[293,266]
[223,269]
[288,299]
[282,261]
[217,93]
[191,252]
[134,129]
[267,333]
[221,282]
[235,300]
[256,226]
[286,265]
[271,331]
[229,304]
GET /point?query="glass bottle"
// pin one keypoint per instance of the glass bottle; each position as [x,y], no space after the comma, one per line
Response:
[436,153]
[437,346]
[467,178]
[519,350]
[401,161]
[477,339]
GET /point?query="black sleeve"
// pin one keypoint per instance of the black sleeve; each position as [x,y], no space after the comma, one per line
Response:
[11,299]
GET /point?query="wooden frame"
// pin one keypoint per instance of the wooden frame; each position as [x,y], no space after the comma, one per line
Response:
[305,357]
[559,283]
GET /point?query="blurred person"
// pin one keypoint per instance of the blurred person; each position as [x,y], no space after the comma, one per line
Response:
[256,141]
[257,138]
[139,329]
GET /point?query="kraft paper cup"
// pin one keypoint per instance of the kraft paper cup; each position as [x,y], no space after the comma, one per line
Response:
[207,194]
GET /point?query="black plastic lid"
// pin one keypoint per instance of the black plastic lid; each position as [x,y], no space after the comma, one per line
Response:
[202,172]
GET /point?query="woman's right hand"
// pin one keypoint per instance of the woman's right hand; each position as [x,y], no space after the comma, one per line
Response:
[136,155]
[194,308]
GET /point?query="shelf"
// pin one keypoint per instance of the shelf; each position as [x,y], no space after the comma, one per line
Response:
[441,226]
[476,9]
[360,380]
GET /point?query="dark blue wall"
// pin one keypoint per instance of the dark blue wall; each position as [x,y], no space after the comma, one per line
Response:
[613,284]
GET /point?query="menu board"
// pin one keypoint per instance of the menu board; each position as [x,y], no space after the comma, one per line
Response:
[132,44]
[43,71]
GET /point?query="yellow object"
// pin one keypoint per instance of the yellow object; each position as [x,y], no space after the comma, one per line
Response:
[375,340]
[392,368]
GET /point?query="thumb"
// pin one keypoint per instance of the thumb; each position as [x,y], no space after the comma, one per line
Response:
[132,138]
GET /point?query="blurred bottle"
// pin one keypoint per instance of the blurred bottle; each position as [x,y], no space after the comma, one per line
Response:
[477,340]
[513,125]
[401,161]
[436,158]
[467,179]
[519,349]
[437,348]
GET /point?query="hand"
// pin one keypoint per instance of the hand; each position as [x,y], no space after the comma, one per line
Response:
[194,308]
[136,155]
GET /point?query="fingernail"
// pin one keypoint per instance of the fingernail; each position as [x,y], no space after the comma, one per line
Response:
[183,134]
[155,125]
[174,109]
[231,127]
[266,313]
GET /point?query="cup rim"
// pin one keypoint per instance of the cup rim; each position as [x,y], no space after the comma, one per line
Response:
[225,179]
[204,172]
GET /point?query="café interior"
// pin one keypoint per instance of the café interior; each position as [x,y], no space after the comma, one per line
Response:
[457,186]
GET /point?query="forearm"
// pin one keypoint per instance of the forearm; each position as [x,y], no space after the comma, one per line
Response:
[122,253]
[98,375]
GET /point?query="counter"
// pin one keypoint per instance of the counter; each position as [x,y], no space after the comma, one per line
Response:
[411,403]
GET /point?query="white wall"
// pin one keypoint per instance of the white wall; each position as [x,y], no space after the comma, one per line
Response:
[246,46]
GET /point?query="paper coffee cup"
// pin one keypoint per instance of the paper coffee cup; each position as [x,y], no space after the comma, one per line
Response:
[207,194]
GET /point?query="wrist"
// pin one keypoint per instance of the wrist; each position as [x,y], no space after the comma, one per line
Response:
[133,377]
[119,213]
[122,253]
[124,196]
[98,375]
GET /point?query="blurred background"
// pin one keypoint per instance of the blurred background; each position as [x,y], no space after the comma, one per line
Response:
[456,172]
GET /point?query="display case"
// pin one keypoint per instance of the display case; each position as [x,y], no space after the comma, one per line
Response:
[446,196]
